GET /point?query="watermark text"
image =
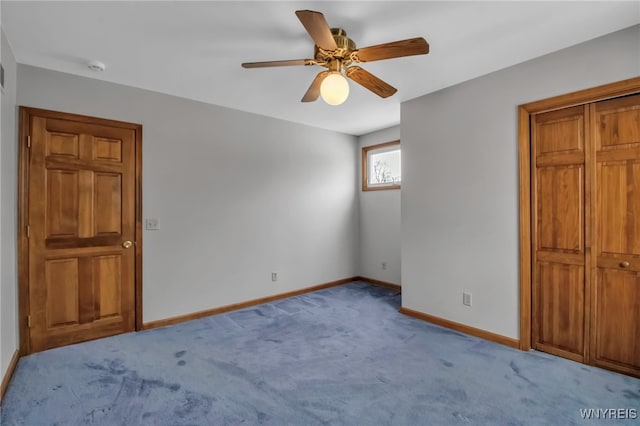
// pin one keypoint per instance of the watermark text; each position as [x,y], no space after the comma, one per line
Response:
[609,413]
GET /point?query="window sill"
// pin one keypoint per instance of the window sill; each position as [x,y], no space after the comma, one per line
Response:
[380,188]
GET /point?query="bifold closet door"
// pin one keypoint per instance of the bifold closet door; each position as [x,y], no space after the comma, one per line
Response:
[559,215]
[586,233]
[615,333]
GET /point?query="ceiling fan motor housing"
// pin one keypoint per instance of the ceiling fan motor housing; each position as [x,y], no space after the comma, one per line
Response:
[344,43]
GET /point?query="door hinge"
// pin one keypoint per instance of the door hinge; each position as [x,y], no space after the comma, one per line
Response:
[28,141]
[28,231]
[29,321]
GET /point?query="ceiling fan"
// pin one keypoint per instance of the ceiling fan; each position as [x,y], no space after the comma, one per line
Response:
[337,52]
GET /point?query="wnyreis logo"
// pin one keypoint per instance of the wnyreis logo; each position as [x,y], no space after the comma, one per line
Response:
[609,413]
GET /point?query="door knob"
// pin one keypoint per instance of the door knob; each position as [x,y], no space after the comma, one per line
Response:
[624,264]
[127,244]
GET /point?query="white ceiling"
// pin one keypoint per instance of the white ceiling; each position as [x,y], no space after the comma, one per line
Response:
[194,49]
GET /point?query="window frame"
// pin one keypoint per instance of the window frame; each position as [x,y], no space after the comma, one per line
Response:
[365,168]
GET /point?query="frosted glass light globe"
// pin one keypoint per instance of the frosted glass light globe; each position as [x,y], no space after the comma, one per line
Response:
[334,89]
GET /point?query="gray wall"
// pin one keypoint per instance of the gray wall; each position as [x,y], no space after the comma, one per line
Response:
[460,183]
[238,195]
[380,221]
[8,212]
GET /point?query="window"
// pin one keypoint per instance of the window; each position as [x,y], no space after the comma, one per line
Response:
[381,166]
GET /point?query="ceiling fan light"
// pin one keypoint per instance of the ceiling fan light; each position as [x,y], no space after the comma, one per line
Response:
[334,89]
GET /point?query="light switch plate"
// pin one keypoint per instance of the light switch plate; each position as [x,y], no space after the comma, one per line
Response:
[152,224]
[466,299]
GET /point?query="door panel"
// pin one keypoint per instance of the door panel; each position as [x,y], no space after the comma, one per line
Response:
[617,325]
[619,192]
[104,269]
[560,132]
[62,210]
[108,205]
[562,304]
[619,126]
[559,232]
[560,210]
[61,292]
[107,150]
[616,322]
[62,145]
[82,207]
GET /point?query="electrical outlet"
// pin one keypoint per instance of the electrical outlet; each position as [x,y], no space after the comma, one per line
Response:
[466,299]
[152,224]
[384,265]
[274,276]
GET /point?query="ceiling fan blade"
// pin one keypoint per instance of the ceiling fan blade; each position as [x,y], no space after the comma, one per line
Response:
[396,49]
[370,81]
[276,63]
[314,90]
[317,27]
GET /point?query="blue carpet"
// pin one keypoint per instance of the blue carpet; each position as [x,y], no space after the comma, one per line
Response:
[341,356]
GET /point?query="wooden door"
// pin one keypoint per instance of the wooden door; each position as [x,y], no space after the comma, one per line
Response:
[558,153]
[81,228]
[616,321]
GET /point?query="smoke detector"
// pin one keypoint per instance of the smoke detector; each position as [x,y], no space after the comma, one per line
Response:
[96,66]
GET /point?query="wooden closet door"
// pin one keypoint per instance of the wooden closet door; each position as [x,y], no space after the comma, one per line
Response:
[616,317]
[559,232]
